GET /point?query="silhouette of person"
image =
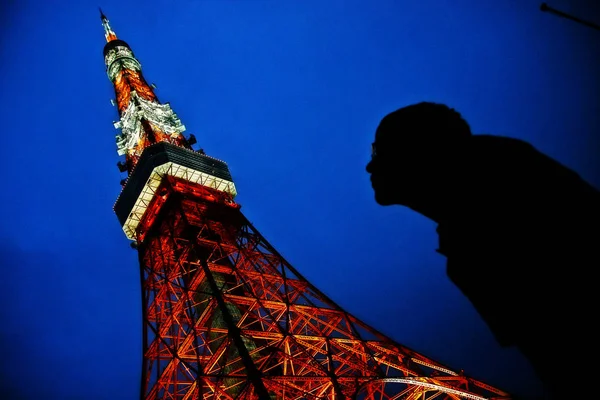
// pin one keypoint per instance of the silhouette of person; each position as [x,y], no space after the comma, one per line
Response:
[518,229]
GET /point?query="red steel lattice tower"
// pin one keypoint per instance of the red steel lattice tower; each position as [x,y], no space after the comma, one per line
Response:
[225,316]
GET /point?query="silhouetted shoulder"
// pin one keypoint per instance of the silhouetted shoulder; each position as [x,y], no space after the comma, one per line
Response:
[522,168]
[527,230]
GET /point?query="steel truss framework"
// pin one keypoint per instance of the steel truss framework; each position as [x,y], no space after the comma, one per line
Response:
[227,317]
[224,315]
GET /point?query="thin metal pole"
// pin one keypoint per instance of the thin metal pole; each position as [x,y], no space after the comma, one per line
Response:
[545,7]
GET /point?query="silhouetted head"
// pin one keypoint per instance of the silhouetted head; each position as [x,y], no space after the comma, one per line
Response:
[416,149]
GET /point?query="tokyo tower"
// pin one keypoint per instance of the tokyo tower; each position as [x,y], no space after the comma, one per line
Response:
[225,316]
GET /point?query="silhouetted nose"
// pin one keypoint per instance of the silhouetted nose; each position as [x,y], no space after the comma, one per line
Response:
[370,163]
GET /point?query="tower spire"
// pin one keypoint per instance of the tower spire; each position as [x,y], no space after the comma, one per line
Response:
[108,32]
[143,120]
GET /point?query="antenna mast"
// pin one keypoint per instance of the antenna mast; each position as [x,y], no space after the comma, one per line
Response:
[544,7]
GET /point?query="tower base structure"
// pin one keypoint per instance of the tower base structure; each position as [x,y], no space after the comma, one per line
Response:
[225,316]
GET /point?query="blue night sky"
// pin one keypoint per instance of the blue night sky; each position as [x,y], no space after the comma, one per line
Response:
[289,94]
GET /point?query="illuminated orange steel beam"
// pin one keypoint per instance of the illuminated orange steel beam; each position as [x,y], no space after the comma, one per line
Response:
[322,343]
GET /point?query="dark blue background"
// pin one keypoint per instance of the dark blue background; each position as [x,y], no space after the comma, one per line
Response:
[289,94]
